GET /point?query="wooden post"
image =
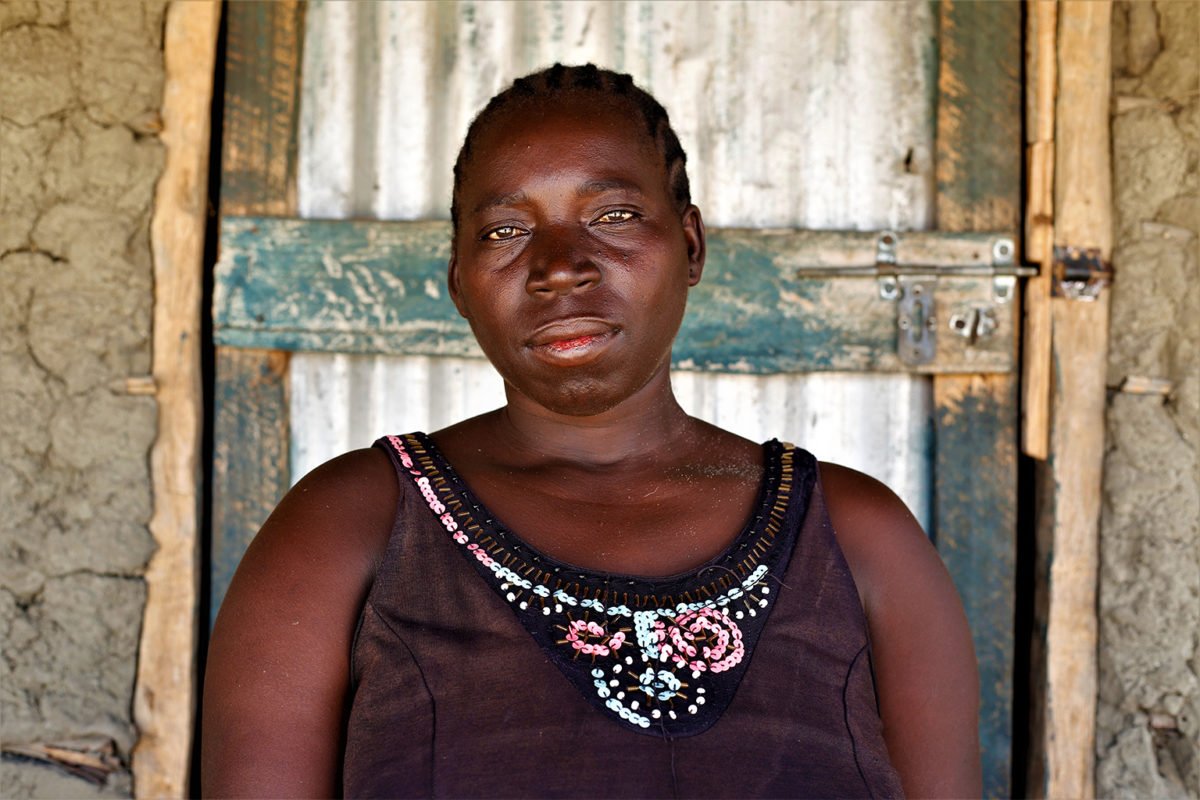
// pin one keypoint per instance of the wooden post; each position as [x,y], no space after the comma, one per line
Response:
[975,416]
[258,177]
[1041,86]
[164,697]
[1071,480]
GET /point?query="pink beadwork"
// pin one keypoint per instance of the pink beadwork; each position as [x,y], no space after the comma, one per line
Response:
[591,639]
[480,555]
[702,640]
[431,498]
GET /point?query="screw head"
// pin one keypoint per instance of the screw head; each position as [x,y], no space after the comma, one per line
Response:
[1003,251]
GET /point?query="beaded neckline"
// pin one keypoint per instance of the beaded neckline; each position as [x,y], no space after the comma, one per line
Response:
[661,656]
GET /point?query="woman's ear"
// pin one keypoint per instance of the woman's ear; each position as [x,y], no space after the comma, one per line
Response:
[693,234]
[455,290]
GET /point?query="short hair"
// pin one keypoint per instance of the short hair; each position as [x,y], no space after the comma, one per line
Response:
[561,81]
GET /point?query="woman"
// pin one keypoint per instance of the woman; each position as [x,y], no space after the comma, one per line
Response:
[640,604]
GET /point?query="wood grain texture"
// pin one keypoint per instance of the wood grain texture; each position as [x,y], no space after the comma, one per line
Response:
[1036,365]
[379,287]
[258,176]
[978,116]
[1041,91]
[165,691]
[1077,457]
[1072,477]
[974,528]
[1083,198]
[262,98]
[975,416]
[250,458]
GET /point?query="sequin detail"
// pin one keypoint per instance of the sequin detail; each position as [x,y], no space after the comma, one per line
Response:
[660,657]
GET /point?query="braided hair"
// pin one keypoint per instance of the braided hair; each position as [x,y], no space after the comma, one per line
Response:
[559,82]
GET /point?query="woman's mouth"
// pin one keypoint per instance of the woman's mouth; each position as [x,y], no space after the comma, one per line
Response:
[573,343]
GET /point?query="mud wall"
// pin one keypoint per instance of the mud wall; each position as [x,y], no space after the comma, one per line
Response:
[1149,707]
[80,84]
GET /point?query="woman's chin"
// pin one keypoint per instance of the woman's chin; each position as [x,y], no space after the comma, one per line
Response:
[578,397]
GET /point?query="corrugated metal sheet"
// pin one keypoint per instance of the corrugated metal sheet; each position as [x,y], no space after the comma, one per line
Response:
[814,115]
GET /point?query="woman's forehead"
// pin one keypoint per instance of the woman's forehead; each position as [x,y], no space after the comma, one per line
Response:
[585,135]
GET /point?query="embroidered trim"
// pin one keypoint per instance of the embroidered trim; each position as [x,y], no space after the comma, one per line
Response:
[664,663]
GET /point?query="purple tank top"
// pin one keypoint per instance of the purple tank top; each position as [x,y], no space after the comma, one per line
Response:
[497,671]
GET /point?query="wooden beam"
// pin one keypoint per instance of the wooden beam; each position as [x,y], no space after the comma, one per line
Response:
[768,302]
[165,692]
[975,522]
[250,460]
[978,188]
[264,42]
[978,116]
[1072,476]
[262,104]
[1041,91]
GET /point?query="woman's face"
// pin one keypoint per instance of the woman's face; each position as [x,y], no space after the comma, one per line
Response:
[572,262]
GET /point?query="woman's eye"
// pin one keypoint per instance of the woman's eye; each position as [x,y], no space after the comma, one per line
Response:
[620,215]
[503,232]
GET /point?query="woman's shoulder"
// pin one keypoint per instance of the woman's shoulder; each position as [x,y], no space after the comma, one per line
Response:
[924,661]
[278,657]
[332,528]
[347,504]
[880,538]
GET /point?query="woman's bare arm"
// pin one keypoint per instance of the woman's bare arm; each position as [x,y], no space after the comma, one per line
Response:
[925,666]
[279,660]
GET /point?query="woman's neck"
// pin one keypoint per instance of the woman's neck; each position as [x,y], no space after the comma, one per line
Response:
[646,425]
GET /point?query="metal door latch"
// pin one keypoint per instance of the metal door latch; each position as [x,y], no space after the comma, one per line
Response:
[915,320]
[974,324]
[908,273]
[916,325]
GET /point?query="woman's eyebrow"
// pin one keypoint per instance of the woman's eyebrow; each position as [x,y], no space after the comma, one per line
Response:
[606,184]
[510,199]
[598,186]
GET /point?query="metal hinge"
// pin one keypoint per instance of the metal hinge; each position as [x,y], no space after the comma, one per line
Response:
[1079,273]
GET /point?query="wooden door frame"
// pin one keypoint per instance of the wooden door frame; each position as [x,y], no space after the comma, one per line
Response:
[979,152]
[165,684]
[1069,211]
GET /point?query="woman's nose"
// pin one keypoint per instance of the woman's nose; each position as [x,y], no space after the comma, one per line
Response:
[560,265]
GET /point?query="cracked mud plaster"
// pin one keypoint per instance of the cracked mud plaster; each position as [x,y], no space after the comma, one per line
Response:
[1148,737]
[79,96]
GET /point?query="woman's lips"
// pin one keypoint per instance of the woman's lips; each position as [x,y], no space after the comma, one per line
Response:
[573,341]
[571,344]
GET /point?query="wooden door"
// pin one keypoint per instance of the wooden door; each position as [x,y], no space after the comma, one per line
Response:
[821,281]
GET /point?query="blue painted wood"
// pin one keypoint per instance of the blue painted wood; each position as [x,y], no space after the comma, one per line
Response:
[379,287]
[250,458]
[978,173]
[264,45]
[974,525]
